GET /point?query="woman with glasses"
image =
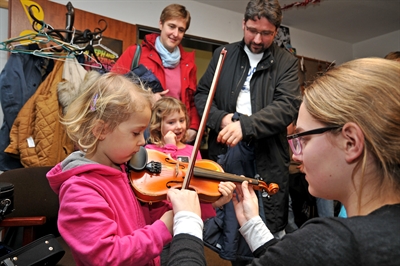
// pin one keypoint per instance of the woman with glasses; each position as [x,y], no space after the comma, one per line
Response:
[348,140]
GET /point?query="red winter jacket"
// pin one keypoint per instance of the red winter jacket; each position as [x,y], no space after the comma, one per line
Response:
[150,58]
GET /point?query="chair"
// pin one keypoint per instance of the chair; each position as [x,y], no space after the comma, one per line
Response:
[35,209]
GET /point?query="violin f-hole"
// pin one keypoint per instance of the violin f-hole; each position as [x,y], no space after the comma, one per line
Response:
[169,184]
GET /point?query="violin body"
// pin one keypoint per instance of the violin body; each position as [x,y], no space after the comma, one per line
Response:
[153,187]
[162,173]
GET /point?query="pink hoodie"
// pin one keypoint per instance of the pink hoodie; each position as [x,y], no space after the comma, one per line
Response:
[100,217]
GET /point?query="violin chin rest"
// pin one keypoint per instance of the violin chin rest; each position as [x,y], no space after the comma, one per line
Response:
[139,160]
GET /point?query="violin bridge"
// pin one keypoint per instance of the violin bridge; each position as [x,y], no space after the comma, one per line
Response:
[177,168]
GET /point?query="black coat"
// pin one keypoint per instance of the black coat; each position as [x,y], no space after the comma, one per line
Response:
[275,99]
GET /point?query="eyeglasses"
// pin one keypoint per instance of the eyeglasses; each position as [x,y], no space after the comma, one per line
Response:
[295,139]
[263,34]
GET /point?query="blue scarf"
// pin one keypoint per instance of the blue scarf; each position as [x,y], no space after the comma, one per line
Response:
[169,60]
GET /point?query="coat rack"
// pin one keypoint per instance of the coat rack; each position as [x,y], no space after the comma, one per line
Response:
[70,17]
[58,44]
[71,34]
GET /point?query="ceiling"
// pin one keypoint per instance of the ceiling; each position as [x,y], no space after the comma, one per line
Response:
[350,21]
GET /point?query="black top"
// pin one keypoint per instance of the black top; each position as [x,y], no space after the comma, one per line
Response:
[373,240]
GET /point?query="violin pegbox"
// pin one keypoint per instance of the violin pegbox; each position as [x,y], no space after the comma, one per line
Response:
[266,189]
[154,167]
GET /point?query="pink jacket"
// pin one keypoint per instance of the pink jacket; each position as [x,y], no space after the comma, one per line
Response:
[174,151]
[100,217]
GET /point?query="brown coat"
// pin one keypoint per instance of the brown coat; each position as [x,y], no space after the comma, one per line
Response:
[37,137]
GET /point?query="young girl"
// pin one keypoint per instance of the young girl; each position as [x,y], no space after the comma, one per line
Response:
[168,131]
[100,217]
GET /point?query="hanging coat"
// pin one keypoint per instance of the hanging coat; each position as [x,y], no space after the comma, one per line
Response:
[69,88]
[19,79]
[37,136]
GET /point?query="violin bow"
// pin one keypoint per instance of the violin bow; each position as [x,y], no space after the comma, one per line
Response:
[196,146]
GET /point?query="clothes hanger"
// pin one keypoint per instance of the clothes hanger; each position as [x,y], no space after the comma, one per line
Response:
[90,61]
[39,36]
[49,47]
[91,58]
[105,48]
[53,45]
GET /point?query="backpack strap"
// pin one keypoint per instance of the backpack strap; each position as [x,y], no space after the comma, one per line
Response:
[136,58]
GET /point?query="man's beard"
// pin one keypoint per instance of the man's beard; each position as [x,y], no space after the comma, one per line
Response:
[255,48]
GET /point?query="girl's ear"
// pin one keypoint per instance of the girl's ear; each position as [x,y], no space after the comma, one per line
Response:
[354,141]
[99,130]
[160,24]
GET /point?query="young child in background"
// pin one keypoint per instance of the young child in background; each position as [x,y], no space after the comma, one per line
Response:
[99,216]
[168,130]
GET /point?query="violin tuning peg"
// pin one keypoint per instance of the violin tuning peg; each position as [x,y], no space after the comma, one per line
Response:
[258,177]
[154,167]
[265,194]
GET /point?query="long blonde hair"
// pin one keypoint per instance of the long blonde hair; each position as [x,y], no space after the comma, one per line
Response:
[104,97]
[366,92]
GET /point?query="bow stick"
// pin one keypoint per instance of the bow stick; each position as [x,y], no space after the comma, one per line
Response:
[190,167]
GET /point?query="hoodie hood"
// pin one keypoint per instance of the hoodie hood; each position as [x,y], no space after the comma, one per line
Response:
[76,164]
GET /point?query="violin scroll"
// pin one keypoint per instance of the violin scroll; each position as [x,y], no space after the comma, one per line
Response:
[267,190]
[271,189]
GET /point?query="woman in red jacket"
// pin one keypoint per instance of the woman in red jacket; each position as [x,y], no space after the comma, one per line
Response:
[163,54]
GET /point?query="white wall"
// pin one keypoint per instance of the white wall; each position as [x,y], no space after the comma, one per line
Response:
[219,24]
[378,46]
[224,25]
[320,47]
[3,34]
[3,54]
[213,23]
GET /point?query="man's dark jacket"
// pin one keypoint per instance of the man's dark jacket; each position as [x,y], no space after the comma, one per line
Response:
[275,99]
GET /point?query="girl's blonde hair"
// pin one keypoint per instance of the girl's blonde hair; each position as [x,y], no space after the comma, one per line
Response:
[162,108]
[366,92]
[111,98]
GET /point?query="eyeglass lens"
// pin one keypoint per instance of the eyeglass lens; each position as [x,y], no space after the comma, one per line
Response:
[262,33]
[295,145]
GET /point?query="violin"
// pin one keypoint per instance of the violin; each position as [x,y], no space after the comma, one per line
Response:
[153,173]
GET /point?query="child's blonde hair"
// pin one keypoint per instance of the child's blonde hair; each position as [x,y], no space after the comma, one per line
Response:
[162,108]
[108,98]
